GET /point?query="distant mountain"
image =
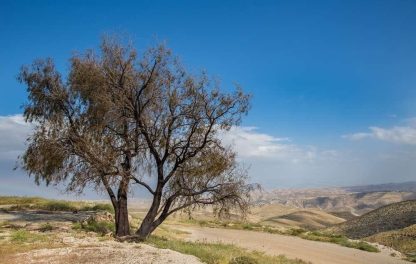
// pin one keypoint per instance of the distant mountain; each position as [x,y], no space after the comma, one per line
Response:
[358,203]
[388,187]
[391,217]
[355,200]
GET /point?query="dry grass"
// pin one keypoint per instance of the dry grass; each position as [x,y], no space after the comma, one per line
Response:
[217,253]
[37,203]
[19,241]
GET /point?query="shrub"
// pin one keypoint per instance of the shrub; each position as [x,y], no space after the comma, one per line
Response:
[46,227]
[58,206]
[98,207]
[101,227]
[243,260]
[247,226]
[338,239]
[296,231]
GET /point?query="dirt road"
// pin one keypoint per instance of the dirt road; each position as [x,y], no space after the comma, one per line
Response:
[291,247]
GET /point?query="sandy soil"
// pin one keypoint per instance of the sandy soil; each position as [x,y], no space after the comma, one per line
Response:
[291,247]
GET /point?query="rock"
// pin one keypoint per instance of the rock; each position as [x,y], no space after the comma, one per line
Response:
[32,227]
[99,217]
[68,240]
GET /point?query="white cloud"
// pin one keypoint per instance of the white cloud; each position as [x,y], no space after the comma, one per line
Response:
[397,134]
[273,161]
[251,144]
[13,134]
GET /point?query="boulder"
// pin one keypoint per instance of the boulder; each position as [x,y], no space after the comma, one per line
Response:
[99,217]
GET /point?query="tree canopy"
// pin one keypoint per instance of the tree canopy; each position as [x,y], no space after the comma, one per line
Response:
[119,119]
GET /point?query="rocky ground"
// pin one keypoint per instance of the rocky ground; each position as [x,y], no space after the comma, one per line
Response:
[90,250]
[46,237]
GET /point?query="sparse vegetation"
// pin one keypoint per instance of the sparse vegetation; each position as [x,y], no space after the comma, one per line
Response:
[338,239]
[243,260]
[100,227]
[23,241]
[403,240]
[46,227]
[391,217]
[23,236]
[37,203]
[217,253]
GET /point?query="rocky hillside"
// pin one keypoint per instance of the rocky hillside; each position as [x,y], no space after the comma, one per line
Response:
[391,217]
[403,240]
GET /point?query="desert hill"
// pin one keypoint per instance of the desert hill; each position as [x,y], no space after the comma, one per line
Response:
[306,219]
[391,217]
[291,217]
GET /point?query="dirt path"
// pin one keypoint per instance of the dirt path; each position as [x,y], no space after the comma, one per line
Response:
[291,247]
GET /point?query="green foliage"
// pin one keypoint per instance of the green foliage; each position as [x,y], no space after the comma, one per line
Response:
[59,206]
[217,253]
[101,227]
[338,239]
[411,258]
[243,260]
[21,236]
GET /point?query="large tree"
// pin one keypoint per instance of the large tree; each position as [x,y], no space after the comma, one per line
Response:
[119,119]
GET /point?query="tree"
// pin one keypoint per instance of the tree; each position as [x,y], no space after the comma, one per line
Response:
[119,120]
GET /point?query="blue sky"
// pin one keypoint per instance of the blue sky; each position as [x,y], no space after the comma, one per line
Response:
[325,75]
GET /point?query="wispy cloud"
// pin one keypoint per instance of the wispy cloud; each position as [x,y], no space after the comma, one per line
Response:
[249,143]
[398,134]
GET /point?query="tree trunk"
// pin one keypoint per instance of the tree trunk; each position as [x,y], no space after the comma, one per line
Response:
[122,218]
[146,228]
[148,224]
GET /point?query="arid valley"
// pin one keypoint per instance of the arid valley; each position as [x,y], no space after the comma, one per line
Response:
[366,224]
